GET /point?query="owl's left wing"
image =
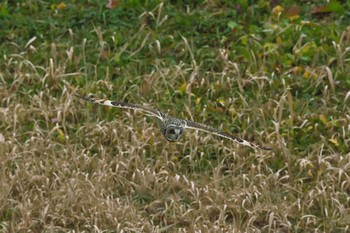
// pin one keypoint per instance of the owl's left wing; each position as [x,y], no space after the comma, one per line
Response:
[209,129]
[117,104]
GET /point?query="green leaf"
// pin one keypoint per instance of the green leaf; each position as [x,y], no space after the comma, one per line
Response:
[335,6]
[232,24]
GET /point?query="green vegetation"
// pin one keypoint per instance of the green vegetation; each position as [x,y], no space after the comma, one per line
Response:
[269,72]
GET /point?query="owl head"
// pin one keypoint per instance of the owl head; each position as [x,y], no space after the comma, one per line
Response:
[171,128]
[173,132]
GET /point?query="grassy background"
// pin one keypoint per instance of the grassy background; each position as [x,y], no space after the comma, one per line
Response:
[269,72]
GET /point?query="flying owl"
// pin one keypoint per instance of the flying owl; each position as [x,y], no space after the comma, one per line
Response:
[172,128]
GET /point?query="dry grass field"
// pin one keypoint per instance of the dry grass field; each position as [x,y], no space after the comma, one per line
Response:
[269,72]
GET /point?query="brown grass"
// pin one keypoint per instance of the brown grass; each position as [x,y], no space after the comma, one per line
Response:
[69,166]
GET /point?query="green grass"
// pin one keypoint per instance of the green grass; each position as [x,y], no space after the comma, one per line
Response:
[275,79]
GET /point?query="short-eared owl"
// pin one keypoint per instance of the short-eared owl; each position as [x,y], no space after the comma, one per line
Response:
[172,128]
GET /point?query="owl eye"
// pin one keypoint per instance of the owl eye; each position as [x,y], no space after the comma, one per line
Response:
[172,131]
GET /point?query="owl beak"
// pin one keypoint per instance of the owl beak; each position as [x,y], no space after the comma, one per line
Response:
[177,131]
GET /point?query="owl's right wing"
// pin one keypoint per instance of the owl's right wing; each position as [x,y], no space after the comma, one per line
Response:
[117,104]
[209,129]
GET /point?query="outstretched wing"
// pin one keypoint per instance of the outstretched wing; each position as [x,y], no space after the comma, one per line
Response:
[117,104]
[209,129]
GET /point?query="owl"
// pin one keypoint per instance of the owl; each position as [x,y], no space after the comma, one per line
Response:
[172,128]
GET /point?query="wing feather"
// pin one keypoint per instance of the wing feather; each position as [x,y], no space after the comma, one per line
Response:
[118,104]
[209,129]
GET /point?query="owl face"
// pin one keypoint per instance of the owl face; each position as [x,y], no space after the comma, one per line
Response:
[173,132]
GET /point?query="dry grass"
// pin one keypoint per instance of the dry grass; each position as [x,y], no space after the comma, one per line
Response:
[69,166]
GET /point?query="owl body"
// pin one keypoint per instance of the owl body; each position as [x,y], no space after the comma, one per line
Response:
[172,128]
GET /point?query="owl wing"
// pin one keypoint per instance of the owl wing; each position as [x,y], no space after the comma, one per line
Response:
[209,129]
[117,104]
